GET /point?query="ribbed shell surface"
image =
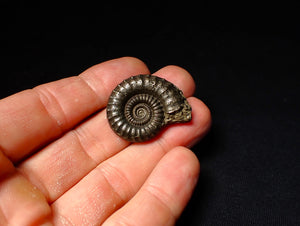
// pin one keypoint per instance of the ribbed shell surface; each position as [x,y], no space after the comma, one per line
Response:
[137,107]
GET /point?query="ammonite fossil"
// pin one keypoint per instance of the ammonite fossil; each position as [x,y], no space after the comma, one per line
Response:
[141,105]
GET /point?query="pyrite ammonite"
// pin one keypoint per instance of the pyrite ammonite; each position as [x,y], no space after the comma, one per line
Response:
[141,105]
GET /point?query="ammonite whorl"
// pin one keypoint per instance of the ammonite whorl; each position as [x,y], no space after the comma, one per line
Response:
[141,105]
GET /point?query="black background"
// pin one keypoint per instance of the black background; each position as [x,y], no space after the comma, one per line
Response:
[246,68]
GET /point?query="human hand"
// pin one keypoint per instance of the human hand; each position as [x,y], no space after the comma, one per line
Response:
[61,164]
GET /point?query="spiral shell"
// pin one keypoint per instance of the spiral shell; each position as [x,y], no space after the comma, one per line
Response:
[141,105]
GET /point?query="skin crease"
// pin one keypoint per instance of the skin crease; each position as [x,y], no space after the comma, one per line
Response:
[61,164]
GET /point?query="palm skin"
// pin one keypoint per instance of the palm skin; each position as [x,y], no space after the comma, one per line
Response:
[61,164]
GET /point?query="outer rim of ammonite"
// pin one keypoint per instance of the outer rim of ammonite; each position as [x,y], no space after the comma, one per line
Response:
[169,95]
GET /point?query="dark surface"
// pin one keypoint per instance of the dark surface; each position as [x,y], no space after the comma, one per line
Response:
[246,71]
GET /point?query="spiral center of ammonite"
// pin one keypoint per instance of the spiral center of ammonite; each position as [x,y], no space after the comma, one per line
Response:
[141,113]
[139,109]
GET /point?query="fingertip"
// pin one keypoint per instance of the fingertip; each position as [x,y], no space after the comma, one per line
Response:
[176,175]
[134,62]
[204,113]
[201,120]
[189,133]
[185,157]
[179,77]
[120,66]
[186,167]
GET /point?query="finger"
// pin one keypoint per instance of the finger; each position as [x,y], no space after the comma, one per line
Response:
[179,77]
[21,203]
[79,151]
[31,118]
[164,195]
[117,179]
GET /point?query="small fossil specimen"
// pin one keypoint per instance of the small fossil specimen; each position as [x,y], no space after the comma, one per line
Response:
[141,105]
